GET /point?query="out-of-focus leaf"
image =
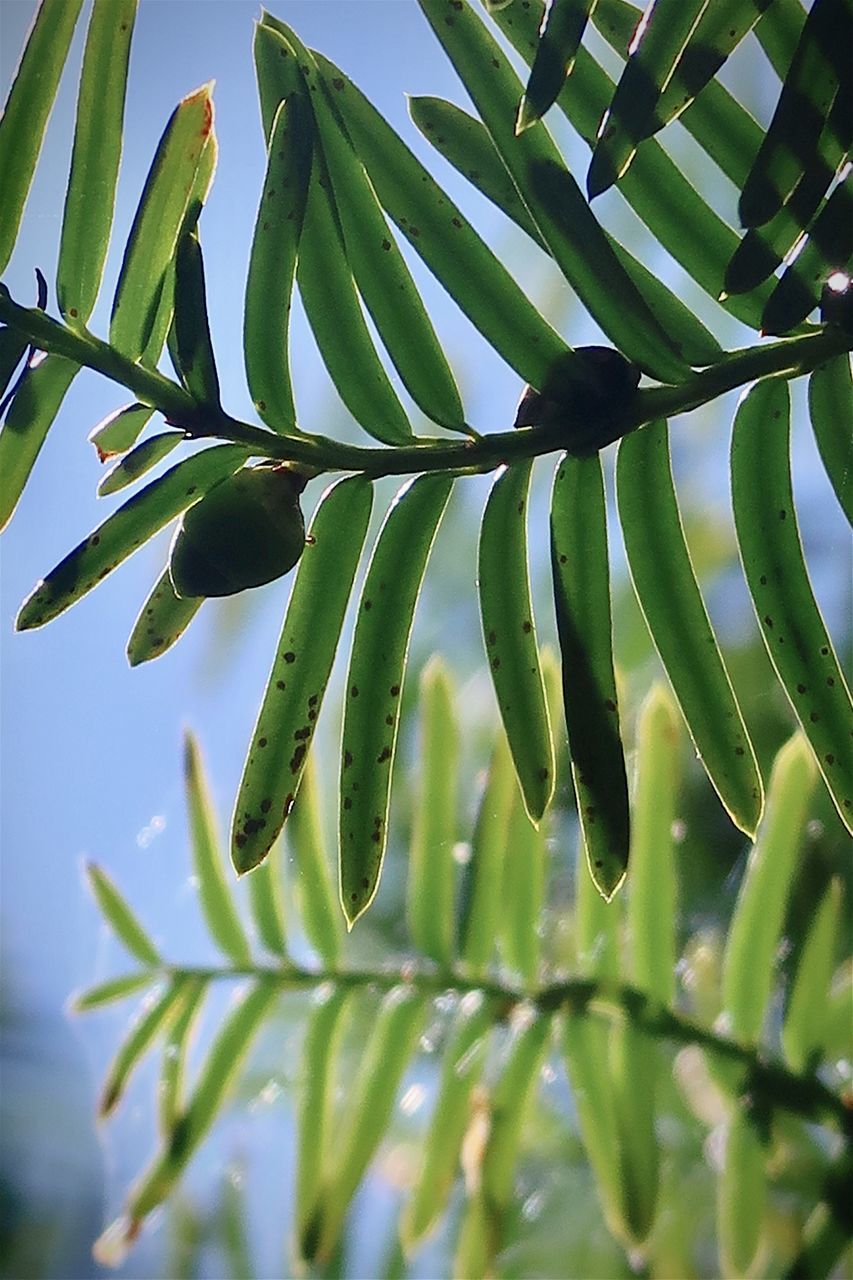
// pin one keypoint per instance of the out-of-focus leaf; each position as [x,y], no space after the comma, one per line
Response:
[482,884]
[750,956]
[375,680]
[584,1044]
[509,633]
[233,1227]
[154,1013]
[121,918]
[154,234]
[216,898]
[830,406]
[28,420]
[772,557]
[669,596]
[581,579]
[300,670]
[522,899]
[125,530]
[170,1087]
[510,1102]
[741,1195]
[808,1011]
[120,430]
[266,900]
[140,459]
[27,109]
[90,195]
[634,1071]
[109,992]
[432,869]
[313,889]
[559,210]
[559,38]
[162,621]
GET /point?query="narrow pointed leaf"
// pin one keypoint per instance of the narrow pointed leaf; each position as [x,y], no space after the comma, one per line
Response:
[510,1103]
[482,884]
[375,681]
[392,1042]
[154,1013]
[300,670]
[808,1012]
[217,900]
[266,900]
[109,992]
[380,271]
[472,1257]
[315,1143]
[828,248]
[665,29]
[28,420]
[559,210]
[162,621]
[559,39]
[217,1074]
[597,925]
[95,157]
[192,344]
[125,530]
[120,430]
[831,406]
[581,578]
[750,957]
[741,1195]
[121,917]
[170,1087]
[272,265]
[13,348]
[154,234]
[473,276]
[432,869]
[524,874]
[672,605]
[313,886]
[27,109]
[509,632]
[634,1069]
[585,1053]
[140,460]
[788,616]
[652,898]
[461,1067]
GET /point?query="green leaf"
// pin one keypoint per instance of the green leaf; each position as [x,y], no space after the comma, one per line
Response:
[162,621]
[829,246]
[556,204]
[652,897]
[379,268]
[511,1099]
[830,406]
[672,605]
[432,868]
[191,343]
[741,1195]
[146,512]
[266,900]
[216,898]
[28,420]
[634,1069]
[121,918]
[272,264]
[789,619]
[584,1044]
[468,269]
[120,430]
[659,43]
[750,957]
[559,39]
[524,874]
[371,1098]
[300,670]
[581,578]
[156,226]
[482,884]
[808,1011]
[506,612]
[13,348]
[170,1087]
[27,109]
[375,681]
[140,459]
[90,195]
[313,888]
[154,1012]
[462,1062]
[109,992]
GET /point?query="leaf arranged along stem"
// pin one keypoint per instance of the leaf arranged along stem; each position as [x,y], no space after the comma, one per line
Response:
[126,530]
[28,420]
[300,670]
[170,1087]
[27,109]
[313,888]
[272,264]
[506,612]
[375,681]
[162,620]
[432,869]
[190,343]
[380,271]
[675,613]
[120,430]
[121,917]
[109,992]
[152,1016]
[216,898]
[741,1194]
[565,221]
[789,619]
[808,1012]
[157,224]
[481,897]
[830,407]
[559,39]
[138,461]
[581,578]
[90,195]
[829,243]
[266,900]
[510,1102]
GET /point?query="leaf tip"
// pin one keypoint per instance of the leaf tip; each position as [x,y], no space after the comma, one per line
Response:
[527,116]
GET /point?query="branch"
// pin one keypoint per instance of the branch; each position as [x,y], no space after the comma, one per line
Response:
[788,358]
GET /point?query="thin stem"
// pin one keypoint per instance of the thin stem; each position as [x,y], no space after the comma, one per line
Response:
[601,998]
[788,358]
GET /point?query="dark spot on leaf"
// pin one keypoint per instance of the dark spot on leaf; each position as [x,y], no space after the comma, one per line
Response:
[386,245]
[347,802]
[312,701]
[824,650]
[768,621]
[782,513]
[830,759]
[337,83]
[394,691]
[389,720]
[542,775]
[262,742]
[496,662]
[347,759]
[297,758]
[266,805]
[491,637]
[384,754]
[526,628]
[240,840]
[368,604]
[739,751]
[376,837]
[801,688]
[302,735]
[354,691]
[814,717]
[279,684]
[290,656]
